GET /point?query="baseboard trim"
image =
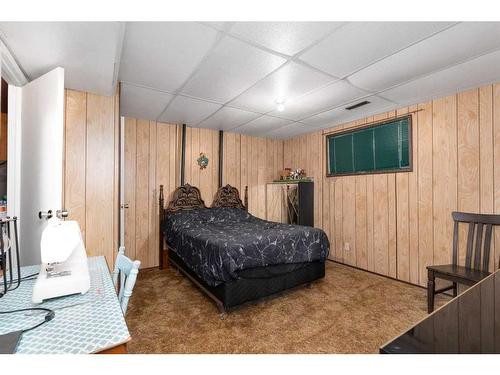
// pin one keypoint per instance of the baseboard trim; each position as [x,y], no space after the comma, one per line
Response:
[387,277]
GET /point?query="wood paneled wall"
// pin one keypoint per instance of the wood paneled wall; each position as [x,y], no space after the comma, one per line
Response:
[253,162]
[207,141]
[306,152]
[248,161]
[91,169]
[151,159]
[398,223]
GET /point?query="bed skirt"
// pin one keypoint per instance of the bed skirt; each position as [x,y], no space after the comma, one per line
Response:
[256,283]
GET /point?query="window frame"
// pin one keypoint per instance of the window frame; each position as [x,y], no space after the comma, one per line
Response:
[368,126]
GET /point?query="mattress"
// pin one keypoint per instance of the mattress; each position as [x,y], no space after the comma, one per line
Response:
[217,244]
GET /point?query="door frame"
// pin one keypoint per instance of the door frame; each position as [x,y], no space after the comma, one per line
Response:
[16,78]
[11,71]
[14,152]
[122,182]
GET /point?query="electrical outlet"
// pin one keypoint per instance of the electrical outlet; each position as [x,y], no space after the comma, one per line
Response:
[347,246]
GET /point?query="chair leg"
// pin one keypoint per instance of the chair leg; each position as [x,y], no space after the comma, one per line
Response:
[455,289]
[431,290]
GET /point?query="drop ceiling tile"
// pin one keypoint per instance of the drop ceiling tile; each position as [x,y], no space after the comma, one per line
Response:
[328,118]
[358,44]
[474,73]
[319,100]
[142,103]
[293,130]
[261,125]
[228,118]
[164,54]
[288,82]
[231,68]
[88,66]
[456,44]
[341,115]
[284,37]
[189,111]
[219,25]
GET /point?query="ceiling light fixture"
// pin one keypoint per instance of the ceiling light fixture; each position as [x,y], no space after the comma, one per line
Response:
[280,105]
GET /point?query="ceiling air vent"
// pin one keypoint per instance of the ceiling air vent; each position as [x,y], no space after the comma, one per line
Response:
[360,104]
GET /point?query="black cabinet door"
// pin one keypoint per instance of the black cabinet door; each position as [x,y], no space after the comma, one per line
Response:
[306,204]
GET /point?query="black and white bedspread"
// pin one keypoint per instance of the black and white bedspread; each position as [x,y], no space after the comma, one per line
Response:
[217,242]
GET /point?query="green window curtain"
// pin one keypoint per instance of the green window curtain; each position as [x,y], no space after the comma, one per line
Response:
[363,151]
[382,147]
[343,154]
[386,147]
[405,144]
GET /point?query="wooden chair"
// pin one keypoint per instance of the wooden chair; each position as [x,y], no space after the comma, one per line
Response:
[477,258]
[124,277]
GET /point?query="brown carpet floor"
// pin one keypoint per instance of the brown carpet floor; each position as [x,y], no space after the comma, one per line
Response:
[350,311]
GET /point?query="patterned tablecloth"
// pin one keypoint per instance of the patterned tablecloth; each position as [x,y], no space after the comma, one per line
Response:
[86,323]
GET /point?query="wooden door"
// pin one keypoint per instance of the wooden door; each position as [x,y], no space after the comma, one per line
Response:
[41,157]
[150,159]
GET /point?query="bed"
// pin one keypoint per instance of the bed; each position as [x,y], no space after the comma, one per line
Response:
[233,256]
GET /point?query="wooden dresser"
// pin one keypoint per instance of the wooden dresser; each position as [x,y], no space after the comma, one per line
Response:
[290,202]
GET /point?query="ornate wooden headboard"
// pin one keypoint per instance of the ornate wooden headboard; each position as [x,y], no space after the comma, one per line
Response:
[228,196]
[188,197]
[185,197]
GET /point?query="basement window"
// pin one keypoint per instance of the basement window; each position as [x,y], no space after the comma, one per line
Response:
[382,147]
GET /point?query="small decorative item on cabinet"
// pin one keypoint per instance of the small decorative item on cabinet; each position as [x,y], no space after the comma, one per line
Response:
[202,160]
[288,174]
[285,173]
[298,174]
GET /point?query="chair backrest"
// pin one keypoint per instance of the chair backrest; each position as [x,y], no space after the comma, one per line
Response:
[124,277]
[478,251]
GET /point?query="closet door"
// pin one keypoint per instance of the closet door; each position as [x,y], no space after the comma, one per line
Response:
[150,156]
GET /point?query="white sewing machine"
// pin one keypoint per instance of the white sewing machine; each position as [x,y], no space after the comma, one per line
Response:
[64,268]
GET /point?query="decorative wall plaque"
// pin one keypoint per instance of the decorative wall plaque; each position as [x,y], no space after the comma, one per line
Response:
[202,160]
